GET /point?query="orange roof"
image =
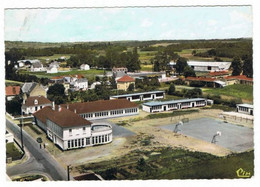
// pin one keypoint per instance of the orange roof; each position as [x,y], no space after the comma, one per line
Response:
[200,79]
[79,76]
[12,90]
[239,77]
[216,73]
[41,100]
[126,78]
[58,77]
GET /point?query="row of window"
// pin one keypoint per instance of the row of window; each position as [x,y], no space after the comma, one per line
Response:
[172,105]
[131,110]
[78,142]
[156,107]
[200,102]
[243,109]
[116,112]
[185,104]
[98,114]
[101,139]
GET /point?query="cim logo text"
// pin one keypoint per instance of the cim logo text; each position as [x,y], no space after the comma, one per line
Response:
[243,174]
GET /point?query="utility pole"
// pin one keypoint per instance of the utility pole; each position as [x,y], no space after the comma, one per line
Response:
[68,171]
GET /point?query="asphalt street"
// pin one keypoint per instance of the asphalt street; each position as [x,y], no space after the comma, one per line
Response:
[40,160]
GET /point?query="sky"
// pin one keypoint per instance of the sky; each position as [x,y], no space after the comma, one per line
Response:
[113,24]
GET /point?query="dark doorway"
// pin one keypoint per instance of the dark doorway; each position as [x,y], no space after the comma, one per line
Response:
[153,97]
[251,112]
[164,108]
[193,105]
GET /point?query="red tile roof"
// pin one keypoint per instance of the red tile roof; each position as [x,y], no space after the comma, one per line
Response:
[126,78]
[98,106]
[12,90]
[30,101]
[58,77]
[216,73]
[63,117]
[201,79]
[239,77]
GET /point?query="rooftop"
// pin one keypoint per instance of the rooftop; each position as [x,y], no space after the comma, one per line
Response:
[246,105]
[12,90]
[126,78]
[156,103]
[28,87]
[140,93]
[239,77]
[203,63]
[63,117]
[41,100]
[101,105]
[201,79]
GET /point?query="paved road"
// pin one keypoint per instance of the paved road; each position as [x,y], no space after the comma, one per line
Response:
[40,160]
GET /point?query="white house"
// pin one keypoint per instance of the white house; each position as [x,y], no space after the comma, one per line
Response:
[160,106]
[84,67]
[245,109]
[37,66]
[35,103]
[52,69]
[20,63]
[143,96]
[104,109]
[80,84]
[93,85]
[68,130]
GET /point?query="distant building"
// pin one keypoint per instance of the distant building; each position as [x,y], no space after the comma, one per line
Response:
[245,109]
[12,91]
[143,96]
[240,79]
[209,81]
[119,72]
[93,85]
[124,82]
[80,84]
[103,109]
[33,89]
[34,103]
[69,131]
[160,106]
[84,67]
[218,74]
[52,69]
[37,67]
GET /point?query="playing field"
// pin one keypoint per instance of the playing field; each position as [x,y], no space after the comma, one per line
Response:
[233,137]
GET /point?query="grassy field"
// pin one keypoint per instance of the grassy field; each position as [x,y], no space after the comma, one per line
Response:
[12,151]
[236,90]
[53,57]
[10,83]
[87,73]
[146,67]
[168,163]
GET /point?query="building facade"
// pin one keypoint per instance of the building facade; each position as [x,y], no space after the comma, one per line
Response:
[160,106]
[143,96]
[124,82]
[245,109]
[104,109]
[34,103]
[84,67]
[69,131]
[12,91]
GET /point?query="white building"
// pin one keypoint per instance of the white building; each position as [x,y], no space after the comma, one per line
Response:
[80,84]
[245,109]
[35,103]
[37,66]
[93,85]
[84,67]
[104,109]
[52,69]
[160,106]
[68,130]
[9,137]
[143,96]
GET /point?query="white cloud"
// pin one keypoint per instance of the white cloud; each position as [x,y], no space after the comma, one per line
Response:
[237,16]
[146,23]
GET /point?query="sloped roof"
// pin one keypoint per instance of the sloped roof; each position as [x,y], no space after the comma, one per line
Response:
[216,73]
[207,79]
[30,101]
[126,78]
[12,90]
[63,117]
[239,77]
[28,87]
[101,105]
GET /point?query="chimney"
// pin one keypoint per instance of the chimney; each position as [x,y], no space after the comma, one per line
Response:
[59,108]
[75,111]
[53,105]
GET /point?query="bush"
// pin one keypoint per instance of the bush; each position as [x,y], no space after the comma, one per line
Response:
[197,84]
[171,90]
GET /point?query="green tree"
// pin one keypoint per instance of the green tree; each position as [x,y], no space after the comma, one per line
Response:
[131,88]
[189,72]
[171,90]
[56,93]
[236,66]
[181,64]
[248,66]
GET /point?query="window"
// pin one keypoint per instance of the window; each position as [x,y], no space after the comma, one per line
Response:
[72,143]
[102,138]
[88,141]
[82,142]
[76,143]
[69,144]
[93,140]
[79,142]
[96,139]
[105,138]
[84,130]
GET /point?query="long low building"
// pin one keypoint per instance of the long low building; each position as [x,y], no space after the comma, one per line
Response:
[160,106]
[68,130]
[104,109]
[142,96]
[245,109]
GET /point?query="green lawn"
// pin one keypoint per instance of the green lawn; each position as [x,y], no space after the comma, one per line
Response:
[236,90]
[168,163]
[10,83]
[146,67]
[86,73]
[12,151]
[53,57]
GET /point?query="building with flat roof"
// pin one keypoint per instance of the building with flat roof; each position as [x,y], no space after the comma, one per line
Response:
[142,96]
[103,109]
[160,106]
[69,130]
[245,109]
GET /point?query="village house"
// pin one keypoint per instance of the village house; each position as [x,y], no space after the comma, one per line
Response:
[34,103]
[84,67]
[209,81]
[124,82]
[94,84]
[52,69]
[79,84]
[103,109]
[12,91]
[160,106]
[143,96]
[37,67]
[119,72]
[34,89]
[239,79]
[69,131]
